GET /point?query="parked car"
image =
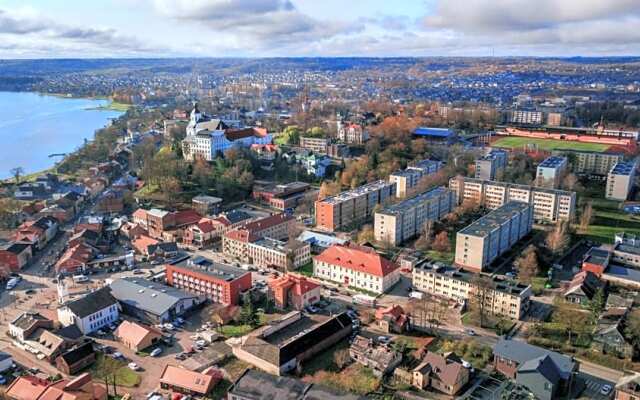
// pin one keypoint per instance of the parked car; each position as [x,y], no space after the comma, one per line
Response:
[605,389]
[155,352]
[3,380]
[133,366]
[471,332]
[312,309]
[117,355]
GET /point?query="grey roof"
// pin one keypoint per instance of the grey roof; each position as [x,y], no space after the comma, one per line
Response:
[543,365]
[522,352]
[496,218]
[619,272]
[320,239]
[326,393]
[214,269]
[259,385]
[92,302]
[146,295]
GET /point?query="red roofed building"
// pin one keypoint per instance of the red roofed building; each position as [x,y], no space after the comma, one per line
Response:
[235,242]
[166,225]
[205,232]
[392,319]
[357,266]
[295,291]
[33,388]
[182,380]
[75,258]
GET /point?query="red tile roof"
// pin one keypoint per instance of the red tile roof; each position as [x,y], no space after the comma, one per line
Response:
[183,378]
[187,217]
[26,388]
[299,284]
[357,258]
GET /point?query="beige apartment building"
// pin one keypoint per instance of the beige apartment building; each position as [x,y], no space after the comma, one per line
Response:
[404,220]
[353,206]
[620,180]
[408,180]
[591,162]
[478,244]
[549,205]
[235,243]
[504,298]
[315,144]
[285,256]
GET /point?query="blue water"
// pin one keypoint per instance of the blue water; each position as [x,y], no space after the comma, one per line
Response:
[33,126]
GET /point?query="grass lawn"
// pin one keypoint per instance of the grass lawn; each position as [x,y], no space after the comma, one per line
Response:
[219,391]
[500,325]
[235,330]
[124,376]
[470,350]
[549,144]
[355,378]
[234,367]
[607,222]
[306,269]
[324,361]
[440,256]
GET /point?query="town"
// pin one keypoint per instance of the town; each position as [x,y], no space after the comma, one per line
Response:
[328,228]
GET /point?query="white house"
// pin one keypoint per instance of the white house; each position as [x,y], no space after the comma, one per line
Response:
[91,312]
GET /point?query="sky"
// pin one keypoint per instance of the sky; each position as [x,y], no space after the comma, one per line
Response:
[283,28]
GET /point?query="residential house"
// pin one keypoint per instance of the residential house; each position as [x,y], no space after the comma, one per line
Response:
[14,256]
[76,259]
[111,202]
[444,373]
[547,374]
[90,312]
[137,337]
[30,387]
[295,291]
[152,302]
[206,205]
[583,287]
[76,359]
[392,319]
[380,358]
[608,336]
[26,323]
[181,380]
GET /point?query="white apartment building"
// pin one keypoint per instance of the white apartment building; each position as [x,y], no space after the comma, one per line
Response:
[270,253]
[527,117]
[408,180]
[352,133]
[478,244]
[549,205]
[356,266]
[91,312]
[551,171]
[504,298]
[404,220]
[621,180]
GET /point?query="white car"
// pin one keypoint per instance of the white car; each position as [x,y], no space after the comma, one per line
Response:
[133,366]
[155,352]
[466,364]
[201,343]
[605,389]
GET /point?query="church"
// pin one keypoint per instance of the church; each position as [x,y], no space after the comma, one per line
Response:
[209,137]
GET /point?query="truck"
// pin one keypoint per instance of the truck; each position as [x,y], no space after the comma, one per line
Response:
[364,300]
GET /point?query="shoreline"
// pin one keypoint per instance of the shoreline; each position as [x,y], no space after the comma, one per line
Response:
[111,106]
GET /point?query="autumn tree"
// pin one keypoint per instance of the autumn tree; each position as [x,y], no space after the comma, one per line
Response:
[480,296]
[441,242]
[202,172]
[597,304]
[527,265]
[366,235]
[425,240]
[328,189]
[575,321]
[632,328]
[558,239]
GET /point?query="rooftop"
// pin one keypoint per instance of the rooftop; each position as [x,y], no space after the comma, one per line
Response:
[508,185]
[597,256]
[207,199]
[357,258]
[146,295]
[214,269]
[320,239]
[624,168]
[436,132]
[403,206]
[359,191]
[492,221]
[499,284]
[553,162]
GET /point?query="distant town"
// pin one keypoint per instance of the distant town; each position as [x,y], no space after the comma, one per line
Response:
[332,228]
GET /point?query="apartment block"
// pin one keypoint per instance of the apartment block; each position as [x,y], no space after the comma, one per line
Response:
[549,205]
[621,180]
[352,133]
[235,243]
[404,220]
[591,162]
[220,283]
[484,240]
[315,144]
[491,166]
[408,180]
[527,117]
[505,298]
[271,253]
[551,171]
[357,266]
[352,206]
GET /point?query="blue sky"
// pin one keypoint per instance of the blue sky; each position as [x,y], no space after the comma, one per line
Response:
[225,28]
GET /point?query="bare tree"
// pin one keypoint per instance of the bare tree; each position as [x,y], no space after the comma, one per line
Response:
[341,358]
[527,265]
[441,242]
[17,173]
[586,216]
[558,239]
[480,296]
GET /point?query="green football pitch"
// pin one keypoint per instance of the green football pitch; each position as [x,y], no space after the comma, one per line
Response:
[514,142]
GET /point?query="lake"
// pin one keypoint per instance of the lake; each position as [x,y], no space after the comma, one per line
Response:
[32,126]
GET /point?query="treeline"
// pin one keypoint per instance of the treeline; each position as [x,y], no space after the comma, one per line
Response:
[610,112]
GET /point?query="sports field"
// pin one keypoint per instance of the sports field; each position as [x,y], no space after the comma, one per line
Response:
[548,144]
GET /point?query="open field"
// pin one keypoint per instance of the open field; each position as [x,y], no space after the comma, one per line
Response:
[548,144]
[608,220]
